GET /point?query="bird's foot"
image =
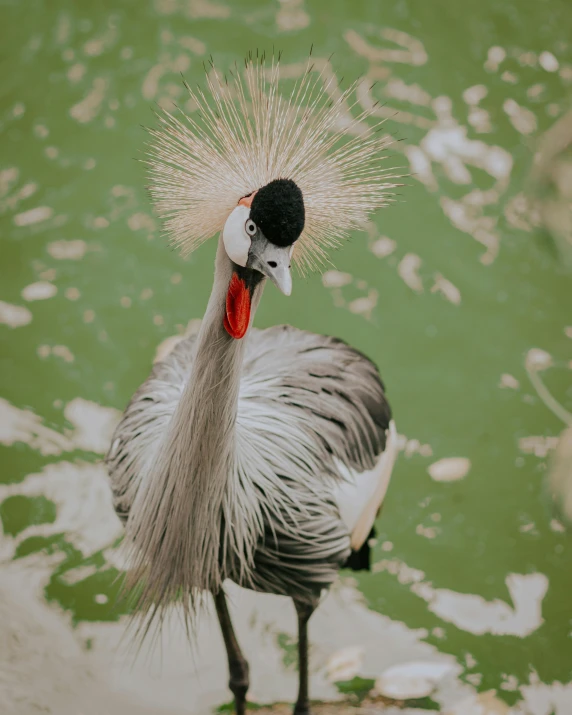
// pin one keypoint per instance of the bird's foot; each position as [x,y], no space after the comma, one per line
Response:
[302,709]
[239,692]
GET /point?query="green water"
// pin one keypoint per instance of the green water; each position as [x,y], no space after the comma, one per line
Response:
[76,82]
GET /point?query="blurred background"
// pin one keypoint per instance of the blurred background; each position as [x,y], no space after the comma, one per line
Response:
[461,292]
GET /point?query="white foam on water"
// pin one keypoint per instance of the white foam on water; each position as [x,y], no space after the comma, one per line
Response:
[546,699]
[47,666]
[193,44]
[448,144]
[412,446]
[537,360]
[44,666]
[495,56]
[508,382]
[480,120]
[521,118]
[27,218]
[548,62]
[96,46]
[427,532]
[61,351]
[151,86]
[480,704]
[416,679]
[383,246]
[67,250]
[509,77]
[75,575]
[408,271]
[84,510]
[141,221]
[22,194]
[72,293]
[14,315]
[449,469]
[538,445]
[413,93]
[8,177]
[345,663]
[364,305]
[521,213]
[76,72]
[336,279]
[449,291]
[473,95]
[18,425]
[40,659]
[472,613]
[167,676]
[90,106]
[93,424]
[421,167]
[411,52]
[291,15]
[42,290]
[405,574]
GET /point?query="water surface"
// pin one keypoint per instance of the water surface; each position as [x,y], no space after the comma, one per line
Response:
[456,291]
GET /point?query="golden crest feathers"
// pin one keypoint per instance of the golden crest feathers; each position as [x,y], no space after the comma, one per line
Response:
[244,134]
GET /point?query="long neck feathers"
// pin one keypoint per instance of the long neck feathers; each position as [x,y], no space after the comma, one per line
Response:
[176,538]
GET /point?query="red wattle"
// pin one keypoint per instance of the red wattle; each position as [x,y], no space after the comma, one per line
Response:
[237,315]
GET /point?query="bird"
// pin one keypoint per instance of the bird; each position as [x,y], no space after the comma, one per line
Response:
[256,456]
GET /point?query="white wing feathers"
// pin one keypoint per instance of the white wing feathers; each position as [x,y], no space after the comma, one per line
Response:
[360,495]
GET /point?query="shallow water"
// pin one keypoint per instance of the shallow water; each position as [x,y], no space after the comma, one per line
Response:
[457,291]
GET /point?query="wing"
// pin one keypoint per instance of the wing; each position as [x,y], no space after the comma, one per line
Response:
[318,389]
[322,383]
[360,495]
[312,427]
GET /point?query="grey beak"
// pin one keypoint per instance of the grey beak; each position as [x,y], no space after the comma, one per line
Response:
[272,261]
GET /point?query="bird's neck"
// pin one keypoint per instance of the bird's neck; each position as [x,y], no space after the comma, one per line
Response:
[210,398]
[176,533]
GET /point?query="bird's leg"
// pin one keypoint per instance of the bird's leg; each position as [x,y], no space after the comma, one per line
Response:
[304,611]
[237,665]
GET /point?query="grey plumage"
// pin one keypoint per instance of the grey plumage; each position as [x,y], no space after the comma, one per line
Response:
[299,404]
[321,388]
[259,456]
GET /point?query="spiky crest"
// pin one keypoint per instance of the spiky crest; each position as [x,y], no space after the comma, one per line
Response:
[244,134]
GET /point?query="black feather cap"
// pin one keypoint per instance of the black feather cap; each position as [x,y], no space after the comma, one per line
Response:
[278,211]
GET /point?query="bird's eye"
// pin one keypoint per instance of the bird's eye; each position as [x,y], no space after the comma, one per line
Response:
[250,227]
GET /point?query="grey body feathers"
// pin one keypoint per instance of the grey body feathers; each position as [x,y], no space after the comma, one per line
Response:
[305,401]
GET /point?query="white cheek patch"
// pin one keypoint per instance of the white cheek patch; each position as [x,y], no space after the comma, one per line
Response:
[236,240]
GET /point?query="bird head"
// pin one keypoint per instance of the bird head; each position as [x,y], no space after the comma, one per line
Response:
[261,231]
[259,237]
[283,179]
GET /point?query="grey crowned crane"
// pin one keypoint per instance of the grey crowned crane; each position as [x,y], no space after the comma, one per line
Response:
[259,456]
